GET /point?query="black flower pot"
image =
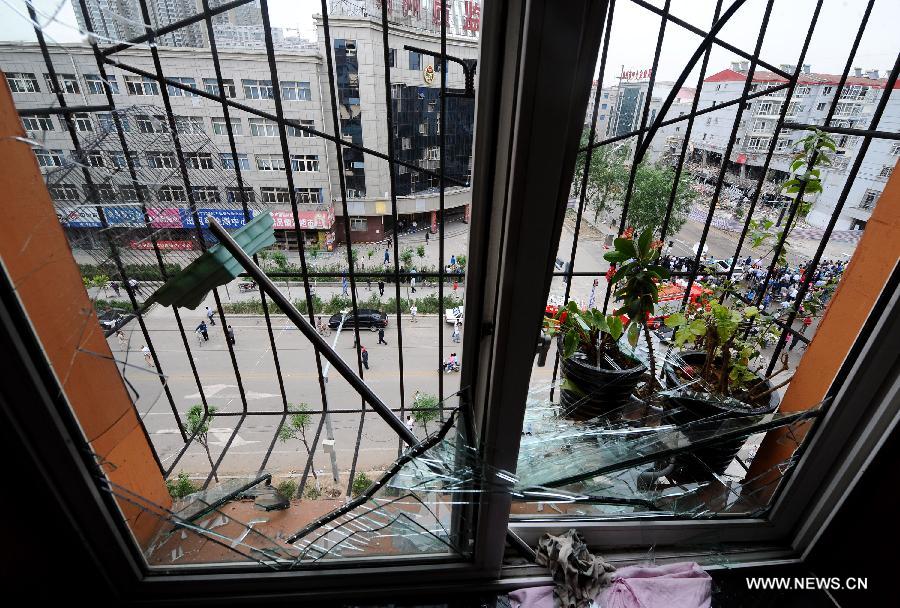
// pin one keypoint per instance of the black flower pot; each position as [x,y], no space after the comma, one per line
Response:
[686,409]
[600,391]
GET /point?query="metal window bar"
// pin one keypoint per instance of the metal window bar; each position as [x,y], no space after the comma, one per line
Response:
[644,134]
[70,127]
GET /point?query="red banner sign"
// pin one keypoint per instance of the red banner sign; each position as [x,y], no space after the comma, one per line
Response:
[309,220]
[636,74]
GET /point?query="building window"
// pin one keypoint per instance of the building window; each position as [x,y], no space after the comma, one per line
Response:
[415,61]
[305,123]
[63,192]
[33,125]
[406,143]
[49,158]
[171,194]
[258,89]
[188,125]
[433,153]
[141,85]
[270,162]
[757,143]
[392,58]
[869,199]
[233,195]
[102,193]
[886,171]
[305,162]
[198,160]
[161,160]
[820,107]
[359,224]
[270,194]
[263,127]
[895,150]
[178,92]
[826,90]
[22,82]
[307,195]
[144,123]
[83,121]
[802,91]
[205,194]
[95,84]
[69,83]
[219,128]
[211,85]
[129,194]
[782,144]
[292,90]
[118,160]
[228,160]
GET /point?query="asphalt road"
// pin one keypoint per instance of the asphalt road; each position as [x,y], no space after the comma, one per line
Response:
[261,392]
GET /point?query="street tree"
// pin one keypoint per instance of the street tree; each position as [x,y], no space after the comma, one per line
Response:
[425,410]
[198,427]
[295,427]
[607,177]
[650,197]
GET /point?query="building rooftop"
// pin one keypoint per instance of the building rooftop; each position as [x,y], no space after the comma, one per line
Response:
[812,78]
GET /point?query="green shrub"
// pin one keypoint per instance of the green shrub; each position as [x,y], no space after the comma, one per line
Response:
[181,487]
[287,488]
[312,492]
[361,483]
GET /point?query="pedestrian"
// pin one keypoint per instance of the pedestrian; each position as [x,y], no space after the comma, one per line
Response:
[344,286]
[147,356]
[427,235]
[807,321]
[416,397]
[230,333]
[412,280]
[387,256]
[453,260]
[115,288]
[123,341]
[413,226]
[211,316]
[133,285]
[381,339]
[365,357]
[455,284]
[380,287]
[389,242]
[409,422]
[413,311]
[202,330]
[455,335]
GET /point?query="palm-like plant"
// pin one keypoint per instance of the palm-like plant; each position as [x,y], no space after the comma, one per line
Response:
[637,275]
[198,427]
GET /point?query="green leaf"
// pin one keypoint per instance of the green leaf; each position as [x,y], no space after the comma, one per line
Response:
[614,324]
[626,247]
[644,243]
[751,311]
[570,342]
[675,320]
[633,334]
[698,327]
[683,334]
[614,257]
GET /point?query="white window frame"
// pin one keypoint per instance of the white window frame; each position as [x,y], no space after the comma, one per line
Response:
[886,171]
[141,86]
[305,163]
[161,160]
[263,127]
[228,161]
[83,122]
[308,196]
[37,124]
[190,125]
[258,89]
[171,194]
[64,192]
[211,86]
[199,160]
[94,84]
[23,82]
[270,162]
[219,126]
[178,92]
[50,158]
[274,195]
[296,90]
[69,83]
[359,224]
[205,194]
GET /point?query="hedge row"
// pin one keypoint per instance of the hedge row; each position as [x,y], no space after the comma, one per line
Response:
[426,305]
[140,272]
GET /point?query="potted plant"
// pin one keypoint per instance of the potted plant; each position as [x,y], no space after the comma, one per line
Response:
[636,279]
[598,376]
[714,376]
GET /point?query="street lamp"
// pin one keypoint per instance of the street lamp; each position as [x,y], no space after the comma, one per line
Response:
[329,445]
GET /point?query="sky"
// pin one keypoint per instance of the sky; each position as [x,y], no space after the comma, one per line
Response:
[635,32]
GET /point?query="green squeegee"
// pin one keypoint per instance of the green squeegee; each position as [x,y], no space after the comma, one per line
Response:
[188,288]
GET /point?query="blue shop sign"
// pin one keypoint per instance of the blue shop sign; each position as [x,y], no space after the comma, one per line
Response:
[229,218]
[124,215]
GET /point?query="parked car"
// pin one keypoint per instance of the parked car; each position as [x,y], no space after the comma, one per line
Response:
[724,265]
[368,317]
[454,314]
[111,320]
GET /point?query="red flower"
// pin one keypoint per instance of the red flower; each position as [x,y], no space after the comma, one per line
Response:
[629,232]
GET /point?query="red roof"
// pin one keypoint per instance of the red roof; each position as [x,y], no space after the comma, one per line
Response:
[813,78]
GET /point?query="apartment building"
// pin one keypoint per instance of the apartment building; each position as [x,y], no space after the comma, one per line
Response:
[809,105]
[358,51]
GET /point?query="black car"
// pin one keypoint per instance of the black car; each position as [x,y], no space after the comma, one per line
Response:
[373,319]
[111,319]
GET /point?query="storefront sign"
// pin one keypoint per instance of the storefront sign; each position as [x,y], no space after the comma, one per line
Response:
[82,216]
[124,215]
[163,245]
[428,74]
[229,218]
[309,220]
[164,217]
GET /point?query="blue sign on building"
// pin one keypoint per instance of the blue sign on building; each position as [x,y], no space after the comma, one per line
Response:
[124,215]
[229,218]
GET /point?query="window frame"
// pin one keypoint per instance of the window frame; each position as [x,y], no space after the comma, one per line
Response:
[28,79]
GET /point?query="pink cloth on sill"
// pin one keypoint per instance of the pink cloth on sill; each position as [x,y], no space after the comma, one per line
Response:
[682,585]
